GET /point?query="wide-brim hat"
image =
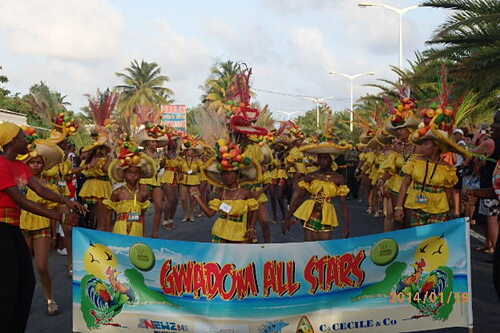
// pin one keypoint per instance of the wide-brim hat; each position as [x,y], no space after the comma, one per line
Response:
[325,148]
[411,122]
[249,174]
[101,141]
[380,140]
[143,136]
[49,152]
[442,139]
[116,171]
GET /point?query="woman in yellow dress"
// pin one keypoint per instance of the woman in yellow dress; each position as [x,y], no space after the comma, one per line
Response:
[170,185]
[397,154]
[152,138]
[190,166]
[426,190]
[236,206]
[39,231]
[130,200]
[313,202]
[97,186]
[279,180]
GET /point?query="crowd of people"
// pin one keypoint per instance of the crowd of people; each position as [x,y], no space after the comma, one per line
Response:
[416,169]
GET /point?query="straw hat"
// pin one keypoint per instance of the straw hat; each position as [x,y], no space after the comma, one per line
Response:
[129,156]
[248,174]
[326,148]
[49,152]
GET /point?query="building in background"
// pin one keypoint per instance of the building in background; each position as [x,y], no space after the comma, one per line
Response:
[175,116]
[13,117]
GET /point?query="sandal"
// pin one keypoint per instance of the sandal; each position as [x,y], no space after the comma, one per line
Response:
[485,250]
[52,307]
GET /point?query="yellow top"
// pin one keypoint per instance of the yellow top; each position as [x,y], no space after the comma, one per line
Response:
[321,192]
[392,165]
[369,159]
[97,184]
[30,221]
[153,181]
[375,172]
[295,159]
[231,224]
[190,172]
[433,198]
[57,175]
[129,216]
[171,169]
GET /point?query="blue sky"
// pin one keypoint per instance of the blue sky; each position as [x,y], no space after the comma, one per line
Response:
[77,46]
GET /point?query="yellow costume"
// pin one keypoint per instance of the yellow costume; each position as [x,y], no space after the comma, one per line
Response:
[295,160]
[392,165]
[323,217]
[432,197]
[369,159]
[57,176]
[97,185]
[190,171]
[129,216]
[231,225]
[171,171]
[34,225]
[153,181]
[375,172]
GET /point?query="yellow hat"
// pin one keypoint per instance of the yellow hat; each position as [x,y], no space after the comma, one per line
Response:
[8,131]
[50,153]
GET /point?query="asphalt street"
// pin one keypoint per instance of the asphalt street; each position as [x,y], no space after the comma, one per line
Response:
[486,305]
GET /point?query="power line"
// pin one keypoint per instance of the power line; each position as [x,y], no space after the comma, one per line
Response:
[292,95]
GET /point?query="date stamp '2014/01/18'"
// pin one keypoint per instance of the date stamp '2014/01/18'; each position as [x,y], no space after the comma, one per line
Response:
[432,297]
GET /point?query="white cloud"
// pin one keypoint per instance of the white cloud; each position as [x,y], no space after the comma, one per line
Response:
[71,29]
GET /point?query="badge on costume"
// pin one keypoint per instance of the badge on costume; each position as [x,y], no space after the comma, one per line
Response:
[190,172]
[225,207]
[421,199]
[61,183]
[133,217]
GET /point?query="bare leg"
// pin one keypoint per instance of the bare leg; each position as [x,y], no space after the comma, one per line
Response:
[280,197]
[158,206]
[492,234]
[272,198]
[263,218]
[41,248]
[186,202]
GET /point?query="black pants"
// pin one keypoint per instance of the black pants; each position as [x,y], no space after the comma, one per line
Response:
[496,269]
[17,280]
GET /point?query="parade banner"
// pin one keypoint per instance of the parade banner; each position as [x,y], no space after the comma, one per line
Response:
[175,116]
[402,281]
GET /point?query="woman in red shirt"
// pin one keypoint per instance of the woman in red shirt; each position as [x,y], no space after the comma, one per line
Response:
[17,285]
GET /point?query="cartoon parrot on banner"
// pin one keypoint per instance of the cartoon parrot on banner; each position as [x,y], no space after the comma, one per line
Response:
[104,291]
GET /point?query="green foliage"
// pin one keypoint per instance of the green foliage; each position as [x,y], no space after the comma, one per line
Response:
[217,86]
[143,85]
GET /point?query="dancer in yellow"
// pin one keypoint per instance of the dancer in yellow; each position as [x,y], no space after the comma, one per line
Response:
[130,200]
[236,206]
[39,231]
[426,190]
[190,166]
[170,184]
[312,204]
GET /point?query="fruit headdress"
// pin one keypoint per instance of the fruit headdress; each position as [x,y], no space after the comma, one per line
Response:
[64,125]
[403,114]
[46,149]
[229,156]
[128,156]
[243,116]
[438,122]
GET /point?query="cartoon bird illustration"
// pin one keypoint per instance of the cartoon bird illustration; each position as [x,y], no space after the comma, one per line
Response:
[432,277]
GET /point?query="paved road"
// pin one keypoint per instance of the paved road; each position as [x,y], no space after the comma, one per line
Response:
[485,304]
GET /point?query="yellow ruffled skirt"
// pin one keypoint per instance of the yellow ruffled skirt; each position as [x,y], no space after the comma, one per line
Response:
[32,222]
[328,213]
[279,174]
[96,188]
[190,179]
[125,227]
[153,181]
[394,183]
[230,230]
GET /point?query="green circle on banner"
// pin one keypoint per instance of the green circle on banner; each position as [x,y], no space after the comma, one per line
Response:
[142,256]
[384,251]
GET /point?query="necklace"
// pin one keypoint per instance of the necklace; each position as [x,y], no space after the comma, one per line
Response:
[134,193]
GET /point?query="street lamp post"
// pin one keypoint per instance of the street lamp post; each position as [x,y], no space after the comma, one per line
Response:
[288,114]
[351,79]
[400,12]
[319,101]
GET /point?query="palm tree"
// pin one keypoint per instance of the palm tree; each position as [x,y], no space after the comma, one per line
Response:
[45,103]
[218,87]
[143,85]
[470,39]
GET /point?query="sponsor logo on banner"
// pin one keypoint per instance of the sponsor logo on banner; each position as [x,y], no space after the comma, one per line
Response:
[221,328]
[162,326]
[273,326]
[353,325]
